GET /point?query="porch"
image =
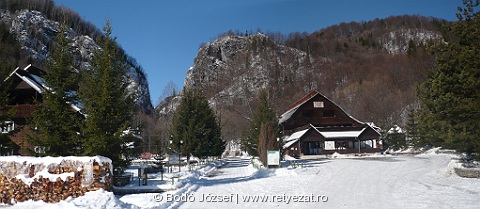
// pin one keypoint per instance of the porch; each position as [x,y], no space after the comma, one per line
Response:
[340,146]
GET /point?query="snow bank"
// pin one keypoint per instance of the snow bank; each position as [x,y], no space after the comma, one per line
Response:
[457,167]
[91,200]
[288,157]
[21,166]
[409,150]
[403,182]
[362,155]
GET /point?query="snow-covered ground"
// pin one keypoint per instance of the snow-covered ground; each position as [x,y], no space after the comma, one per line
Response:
[406,181]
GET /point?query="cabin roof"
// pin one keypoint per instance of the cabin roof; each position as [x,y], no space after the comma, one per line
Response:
[341,134]
[329,134]
[296,135]
[295,106]
[32,76]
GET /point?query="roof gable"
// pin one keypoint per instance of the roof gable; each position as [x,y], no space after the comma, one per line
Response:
[333,133]
[306,99]
[29,76]
[32,77]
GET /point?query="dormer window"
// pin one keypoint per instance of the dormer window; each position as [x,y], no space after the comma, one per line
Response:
[318,104]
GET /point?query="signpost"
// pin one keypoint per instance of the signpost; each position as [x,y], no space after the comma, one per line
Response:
[174,159]
[273,158]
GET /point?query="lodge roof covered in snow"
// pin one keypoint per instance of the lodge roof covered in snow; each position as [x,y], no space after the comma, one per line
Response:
[26,88]
[32,77]
[333,134]
[318,110]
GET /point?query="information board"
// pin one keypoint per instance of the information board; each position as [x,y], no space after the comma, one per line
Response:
[273,157]
[174,159]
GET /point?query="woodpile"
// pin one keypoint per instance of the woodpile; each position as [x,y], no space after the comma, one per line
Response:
[78,178]
[13,168]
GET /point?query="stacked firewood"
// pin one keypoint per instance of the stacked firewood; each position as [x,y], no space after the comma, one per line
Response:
[14,190]
[102,177]
[12,168]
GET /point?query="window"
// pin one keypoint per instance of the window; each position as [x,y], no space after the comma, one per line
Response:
[7,127]
[363,144]
[39,149]
[318,104]
[328,113]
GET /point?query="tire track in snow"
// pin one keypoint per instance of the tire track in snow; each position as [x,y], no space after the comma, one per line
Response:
[184,191]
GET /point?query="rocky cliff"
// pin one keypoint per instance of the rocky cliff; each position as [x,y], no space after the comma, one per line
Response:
[34,32]
[371,69]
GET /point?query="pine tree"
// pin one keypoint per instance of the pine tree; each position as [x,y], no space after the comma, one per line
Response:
[55,122]
[108,104]
[413,129]
[263,115]
[216,142]
[6,114]
[210,132]
[451,94]
[195,128]
[396,140]
[3,91]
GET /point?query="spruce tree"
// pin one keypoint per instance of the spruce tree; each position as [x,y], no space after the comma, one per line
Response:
[213,133]
[108,104]
[451,93]
[4,95]
[195,127]
[262,115]
[413,129]
[216,143]
[396,140]
[6,114]
[55,123]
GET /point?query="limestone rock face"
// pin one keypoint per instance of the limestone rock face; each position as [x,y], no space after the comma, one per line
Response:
[34,32]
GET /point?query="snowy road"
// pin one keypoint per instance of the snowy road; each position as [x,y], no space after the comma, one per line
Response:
[421,181]
[384,182]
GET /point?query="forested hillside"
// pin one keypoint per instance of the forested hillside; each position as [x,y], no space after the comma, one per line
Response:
[371,69]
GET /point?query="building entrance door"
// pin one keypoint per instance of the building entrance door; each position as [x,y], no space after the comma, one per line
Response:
[311,148]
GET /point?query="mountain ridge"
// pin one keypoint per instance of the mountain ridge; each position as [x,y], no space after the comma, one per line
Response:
[371,69]
[34,33]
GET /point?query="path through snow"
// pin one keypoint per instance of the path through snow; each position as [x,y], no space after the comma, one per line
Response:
[384,182]
[421,181]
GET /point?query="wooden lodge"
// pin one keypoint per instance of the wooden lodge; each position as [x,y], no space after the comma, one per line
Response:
[316,125]
[25,90]
[26,87]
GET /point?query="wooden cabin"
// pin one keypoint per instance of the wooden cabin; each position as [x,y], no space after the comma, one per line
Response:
[25,90]
[26,86]
[316,125]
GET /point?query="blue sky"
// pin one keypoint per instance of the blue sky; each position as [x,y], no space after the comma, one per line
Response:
[164,35]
